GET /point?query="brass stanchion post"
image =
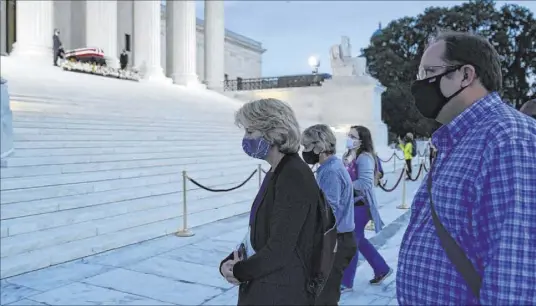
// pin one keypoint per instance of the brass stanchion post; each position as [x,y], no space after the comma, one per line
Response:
[403,205]
[259,170]
[394,162]
[184,232]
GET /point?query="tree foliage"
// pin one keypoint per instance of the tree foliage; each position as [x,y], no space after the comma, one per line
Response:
[394,55]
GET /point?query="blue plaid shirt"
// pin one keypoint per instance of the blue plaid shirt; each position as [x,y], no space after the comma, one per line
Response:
[484,191]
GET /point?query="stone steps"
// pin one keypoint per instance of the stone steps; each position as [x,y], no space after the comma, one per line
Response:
[16,202]
[127,133]
[59,178]
[121,124]
[83,181]
[48,256]
[108,137]
[173,147]
[36,222]
[16,161]
[61,193]
[86,168]
[93,224]
[97,166]
[131,113]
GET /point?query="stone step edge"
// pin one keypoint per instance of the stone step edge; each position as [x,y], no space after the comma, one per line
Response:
[131,117]
[22,183]
[59,169]
[194,194]
[106,225]
[164,228]
[11,227]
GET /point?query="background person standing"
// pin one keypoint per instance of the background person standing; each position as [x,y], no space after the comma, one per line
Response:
[407,147]
[56,46]
[123,59]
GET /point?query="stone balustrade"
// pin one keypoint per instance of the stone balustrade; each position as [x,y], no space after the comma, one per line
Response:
[6,123]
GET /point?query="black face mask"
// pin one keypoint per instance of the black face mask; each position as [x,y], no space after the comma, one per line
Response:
[428,96]
[310,157]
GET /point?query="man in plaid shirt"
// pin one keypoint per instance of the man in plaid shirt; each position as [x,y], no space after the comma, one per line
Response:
[483,184]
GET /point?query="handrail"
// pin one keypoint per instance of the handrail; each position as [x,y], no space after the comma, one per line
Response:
[186,232]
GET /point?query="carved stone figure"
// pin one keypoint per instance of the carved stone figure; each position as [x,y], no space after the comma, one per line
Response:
[346,47]
[342,62]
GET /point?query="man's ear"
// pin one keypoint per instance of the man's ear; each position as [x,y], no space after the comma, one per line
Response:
[469,75]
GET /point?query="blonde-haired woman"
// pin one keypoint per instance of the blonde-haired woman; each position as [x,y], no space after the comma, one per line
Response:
[274,268]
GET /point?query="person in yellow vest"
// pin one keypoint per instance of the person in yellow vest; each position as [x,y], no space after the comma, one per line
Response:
[406,146]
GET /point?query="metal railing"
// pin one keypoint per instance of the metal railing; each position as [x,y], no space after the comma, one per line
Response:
[187,232]
[307,80]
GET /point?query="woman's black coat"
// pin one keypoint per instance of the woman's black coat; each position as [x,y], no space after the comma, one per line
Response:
[282,236]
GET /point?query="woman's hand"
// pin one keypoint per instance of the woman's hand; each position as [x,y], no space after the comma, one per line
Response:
[227,269]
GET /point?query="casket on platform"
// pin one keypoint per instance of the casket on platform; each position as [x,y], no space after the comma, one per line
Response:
[86,55]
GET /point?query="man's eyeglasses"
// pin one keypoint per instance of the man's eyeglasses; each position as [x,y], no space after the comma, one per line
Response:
[429,71]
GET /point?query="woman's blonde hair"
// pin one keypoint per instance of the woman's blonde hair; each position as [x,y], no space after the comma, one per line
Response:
[274,119]
[321,137]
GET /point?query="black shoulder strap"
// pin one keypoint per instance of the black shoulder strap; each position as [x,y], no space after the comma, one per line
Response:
[454,252]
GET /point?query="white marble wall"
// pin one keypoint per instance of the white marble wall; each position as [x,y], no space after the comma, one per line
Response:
[242,62]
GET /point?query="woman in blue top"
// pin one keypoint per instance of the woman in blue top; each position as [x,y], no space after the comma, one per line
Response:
[319,144]
[361,164]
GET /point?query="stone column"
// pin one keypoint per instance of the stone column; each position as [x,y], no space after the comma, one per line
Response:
[147,40]
[214,44]
[101,28]
[3,27]
[169,39]
[184,44]
[35,30]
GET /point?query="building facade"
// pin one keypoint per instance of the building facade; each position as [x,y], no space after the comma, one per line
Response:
[164,41]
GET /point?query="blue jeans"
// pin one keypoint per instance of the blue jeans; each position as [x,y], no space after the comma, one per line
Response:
[376,261]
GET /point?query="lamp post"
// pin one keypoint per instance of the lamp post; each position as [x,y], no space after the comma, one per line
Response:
[314,63]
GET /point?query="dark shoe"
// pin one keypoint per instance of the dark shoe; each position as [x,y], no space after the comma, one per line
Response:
[378,279]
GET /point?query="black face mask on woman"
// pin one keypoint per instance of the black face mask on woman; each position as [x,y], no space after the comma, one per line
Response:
[428,96]
[310,157]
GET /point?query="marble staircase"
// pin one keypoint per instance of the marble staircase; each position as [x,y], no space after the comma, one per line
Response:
[90,174]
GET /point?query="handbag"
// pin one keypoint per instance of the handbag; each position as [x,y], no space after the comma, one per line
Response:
[454,252]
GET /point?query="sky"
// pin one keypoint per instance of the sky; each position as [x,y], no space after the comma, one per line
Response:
[292,31]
